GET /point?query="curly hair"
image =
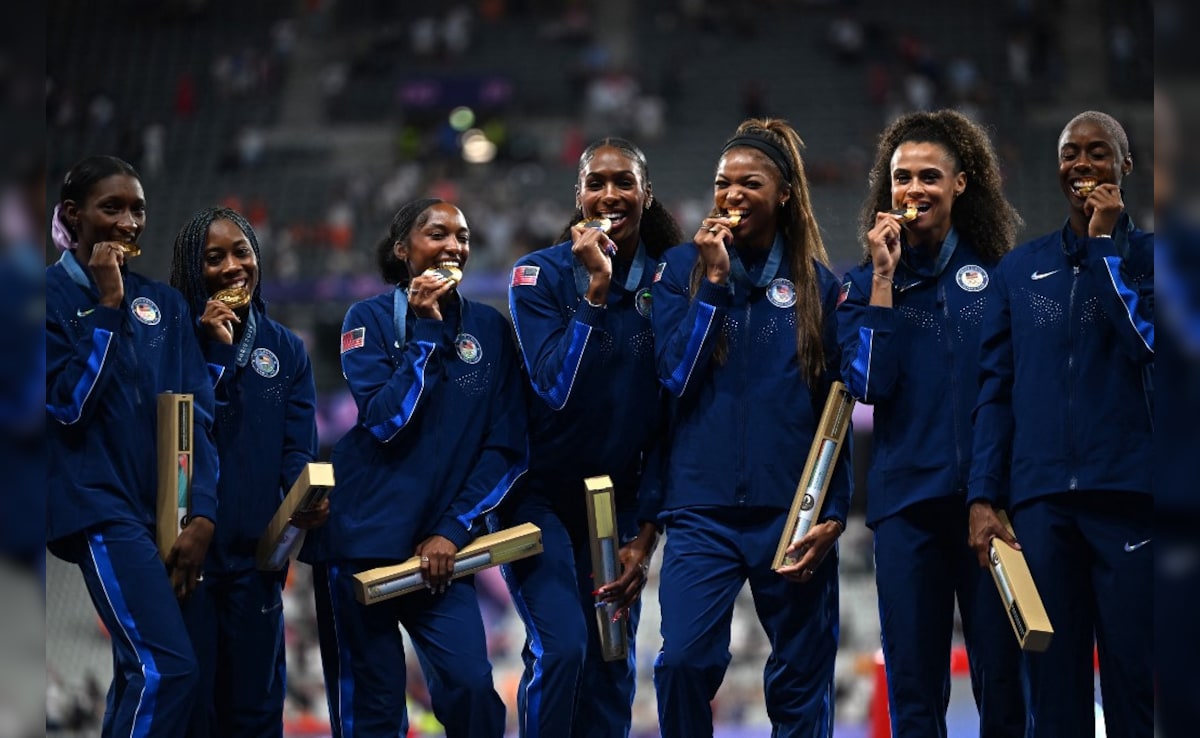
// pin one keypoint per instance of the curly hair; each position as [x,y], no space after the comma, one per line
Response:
[187,261]
[981,214]
[658,229]
[798,226]
[411,215]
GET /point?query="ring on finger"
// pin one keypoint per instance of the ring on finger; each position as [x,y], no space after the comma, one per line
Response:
[712,229]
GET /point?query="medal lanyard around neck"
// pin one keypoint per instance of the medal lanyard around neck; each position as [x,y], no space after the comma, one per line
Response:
[636,269]
[247,342]
[770,268]
[400,315]
[1120,237]
[945,253]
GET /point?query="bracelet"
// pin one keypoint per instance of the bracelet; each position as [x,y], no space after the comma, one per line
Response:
[884,276]
[841,526]
[598,307]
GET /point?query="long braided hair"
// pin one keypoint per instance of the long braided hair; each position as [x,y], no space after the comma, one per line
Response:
[981,214]
[658,229]
[187,261]
[805,248]
[411,215]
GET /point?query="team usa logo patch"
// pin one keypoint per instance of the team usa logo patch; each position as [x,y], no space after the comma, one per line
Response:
[525,276]
[644,302]
[265,362]
[658,271]
[353,339]
[468,347]
[972,278]
[146,311]
[844,293]
[782,293]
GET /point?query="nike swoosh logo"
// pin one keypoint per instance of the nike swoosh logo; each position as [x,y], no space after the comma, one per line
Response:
[276,606]
[1131,547]
[1042,275]
[907,287]
[84,313]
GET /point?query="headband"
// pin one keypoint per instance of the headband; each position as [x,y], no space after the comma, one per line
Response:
[766,146]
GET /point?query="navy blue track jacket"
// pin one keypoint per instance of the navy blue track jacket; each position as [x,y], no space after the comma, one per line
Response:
[266,431]
[742,430]
[1065,350]
[104,370]
[917,363]
[596,403]
[441,432]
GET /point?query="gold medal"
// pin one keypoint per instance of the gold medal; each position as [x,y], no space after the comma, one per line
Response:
[604,225]
[452,273]
[906,213]
[130,250]
[234,297]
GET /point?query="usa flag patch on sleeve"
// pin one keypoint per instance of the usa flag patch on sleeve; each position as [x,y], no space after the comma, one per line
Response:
[525,276]
[353,339]
[844,293]
[658,272]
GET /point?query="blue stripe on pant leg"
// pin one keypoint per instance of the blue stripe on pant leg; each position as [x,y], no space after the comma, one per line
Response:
[102,561]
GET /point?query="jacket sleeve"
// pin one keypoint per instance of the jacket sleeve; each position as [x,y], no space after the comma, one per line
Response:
[685,328]
[387,395]
[992,418]
[1128,304]
[503,458]
[202,501]
[78,371]
[553,347]
[841,486]
[870,357]
[300,418]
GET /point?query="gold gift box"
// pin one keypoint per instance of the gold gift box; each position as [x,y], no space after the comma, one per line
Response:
[606,563]
[1022,603]
[175,456]
[281,540]
[385,582]
[818,471]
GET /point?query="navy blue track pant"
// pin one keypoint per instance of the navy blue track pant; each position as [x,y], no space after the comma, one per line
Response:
[154,669]
[710,553]
[235,621]
[922,563]
[1092,559]
[567,689]
[362,654]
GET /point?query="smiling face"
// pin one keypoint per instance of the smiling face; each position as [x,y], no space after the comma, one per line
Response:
[113,210]
[443,239]
[229,260]
[612,185]
[1089,156]
[749,185]
[925,174]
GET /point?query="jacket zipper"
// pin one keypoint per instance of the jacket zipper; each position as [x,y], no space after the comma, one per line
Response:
[949,344]
[1073,483]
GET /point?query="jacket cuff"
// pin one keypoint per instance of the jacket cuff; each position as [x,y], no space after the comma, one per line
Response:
[453,531]
[107,318]
[203,506]
[713,294]
[589,314]
[880,318]
[983,490]
[1101,247]
[430,330]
